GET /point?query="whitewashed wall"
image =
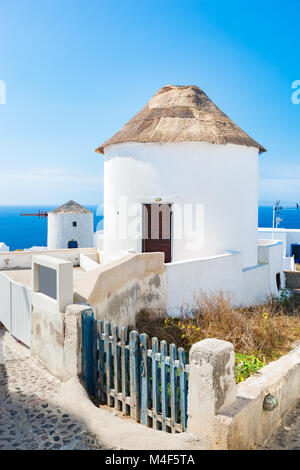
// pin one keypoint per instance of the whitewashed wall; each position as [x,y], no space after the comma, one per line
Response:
[21,312]
[15,308]
[187,279]
[61,230]
[287,236]
[23,259]
[270,252]
[5,301]
[224,178]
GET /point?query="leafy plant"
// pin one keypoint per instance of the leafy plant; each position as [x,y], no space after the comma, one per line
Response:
[247,365]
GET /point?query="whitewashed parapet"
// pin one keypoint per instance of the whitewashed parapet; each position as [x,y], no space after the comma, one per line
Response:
[52,283]
[23,259]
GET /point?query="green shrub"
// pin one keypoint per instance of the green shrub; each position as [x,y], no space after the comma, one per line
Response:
[246,365]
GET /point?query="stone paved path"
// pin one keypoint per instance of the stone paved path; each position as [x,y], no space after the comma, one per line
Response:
[30,414]
[288,435]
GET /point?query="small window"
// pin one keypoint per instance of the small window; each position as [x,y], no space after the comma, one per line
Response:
[74,224]
[278,281]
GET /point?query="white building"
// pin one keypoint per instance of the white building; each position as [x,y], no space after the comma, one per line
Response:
[180,155]
[70,226]
[3,247]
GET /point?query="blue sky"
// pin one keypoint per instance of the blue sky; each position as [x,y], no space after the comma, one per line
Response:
[76,71]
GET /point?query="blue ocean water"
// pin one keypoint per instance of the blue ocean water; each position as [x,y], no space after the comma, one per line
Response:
[290,217]
[24,232]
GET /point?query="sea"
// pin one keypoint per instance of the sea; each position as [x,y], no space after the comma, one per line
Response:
[19,232]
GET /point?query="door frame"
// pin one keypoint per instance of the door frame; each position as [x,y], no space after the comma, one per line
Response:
[144,201]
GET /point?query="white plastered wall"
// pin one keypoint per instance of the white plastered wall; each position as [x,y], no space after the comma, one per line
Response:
[61,230]
[222,178]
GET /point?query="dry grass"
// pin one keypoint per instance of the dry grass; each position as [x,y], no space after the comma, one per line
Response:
[267,330]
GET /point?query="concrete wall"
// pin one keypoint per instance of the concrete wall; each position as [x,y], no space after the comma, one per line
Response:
[225,416]
[61,230]
[292,279]
[99,240]
[287,236]
[23,259]
[15,308]
[270,252]
[56,340]
[186,279]
[117,291]
[245,424]
[89,262]
[222,178]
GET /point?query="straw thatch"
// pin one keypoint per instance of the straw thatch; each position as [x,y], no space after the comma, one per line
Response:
[181,114]
[70,207]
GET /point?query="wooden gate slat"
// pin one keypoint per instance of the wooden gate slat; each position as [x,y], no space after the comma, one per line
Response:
[134,375]
[144,372]
[101,363]
[173,382]
[164,384]
[155,382]
[108,362]
[116,358]
[125,370]
[183,388]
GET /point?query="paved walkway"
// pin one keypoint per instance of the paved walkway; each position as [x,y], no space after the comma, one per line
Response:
[30,413]
[288,435]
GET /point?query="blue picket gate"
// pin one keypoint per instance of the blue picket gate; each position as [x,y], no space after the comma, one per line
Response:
[147,381]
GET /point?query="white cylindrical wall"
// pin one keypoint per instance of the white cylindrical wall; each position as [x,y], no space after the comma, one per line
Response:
[223,179]
[61,230]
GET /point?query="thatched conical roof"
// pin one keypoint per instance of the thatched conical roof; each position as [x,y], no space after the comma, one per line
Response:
[70,207]
[181,114]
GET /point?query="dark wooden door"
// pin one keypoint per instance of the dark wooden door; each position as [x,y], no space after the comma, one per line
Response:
[296,252]
[157,224]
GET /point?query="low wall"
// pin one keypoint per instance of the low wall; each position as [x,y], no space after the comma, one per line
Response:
[15,308]
[270,253]
[23,259]
[56,340]
[255,284]
[292,279]
[287,236]
[119,290]
[245,424]
[89,262]
[186,279]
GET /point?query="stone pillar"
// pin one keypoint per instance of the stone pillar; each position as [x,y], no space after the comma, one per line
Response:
[73,341]
[212,386]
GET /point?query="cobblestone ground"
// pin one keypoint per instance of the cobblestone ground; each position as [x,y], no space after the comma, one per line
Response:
[30,415]
[288,435]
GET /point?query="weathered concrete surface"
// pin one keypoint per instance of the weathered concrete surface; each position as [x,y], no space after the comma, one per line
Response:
[245,424]
[287,437]
[32,413]
[56,340]
[212,386]
[292,279]
[121,432]
[119,290]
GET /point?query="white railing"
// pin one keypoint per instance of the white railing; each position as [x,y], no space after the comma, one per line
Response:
[15,308]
